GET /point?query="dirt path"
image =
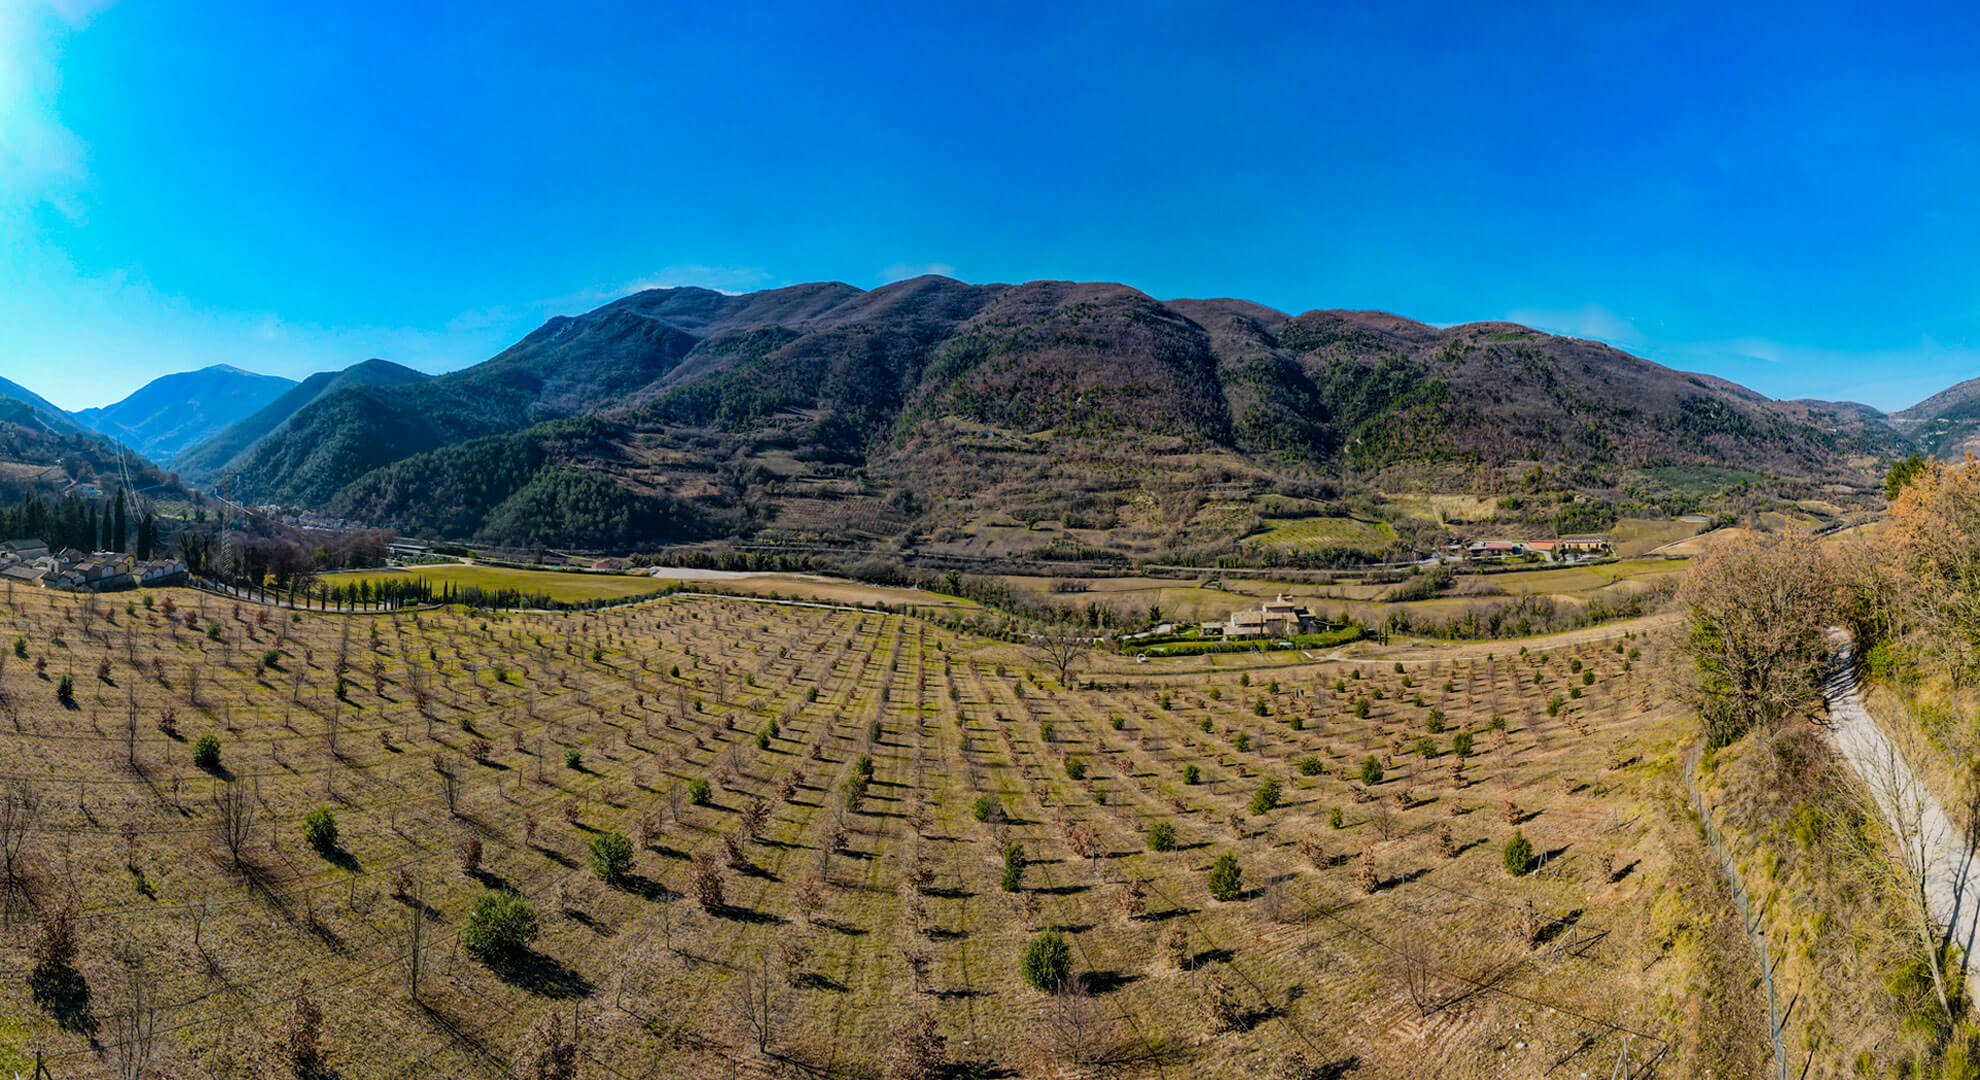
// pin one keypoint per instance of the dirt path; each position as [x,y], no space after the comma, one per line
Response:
[1952,878]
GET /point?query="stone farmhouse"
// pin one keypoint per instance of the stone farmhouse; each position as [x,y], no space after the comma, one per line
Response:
[1278,617]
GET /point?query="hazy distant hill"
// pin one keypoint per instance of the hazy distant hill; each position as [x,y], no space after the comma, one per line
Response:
[935,406]
[39,413]
[206,460]
[173,412]
[1945,425]
[38,458]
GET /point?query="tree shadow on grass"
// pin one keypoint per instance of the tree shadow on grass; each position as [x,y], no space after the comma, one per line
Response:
[544,976]
[63,994]
[648,889]
[812,980]
[1335,1070]
[1556,928]
[1172,913]
[1211,956]
[748,915]
[1106,982]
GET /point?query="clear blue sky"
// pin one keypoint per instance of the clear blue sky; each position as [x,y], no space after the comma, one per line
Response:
[1785,196]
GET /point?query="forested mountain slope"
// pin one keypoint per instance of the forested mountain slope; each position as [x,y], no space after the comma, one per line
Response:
[932,404]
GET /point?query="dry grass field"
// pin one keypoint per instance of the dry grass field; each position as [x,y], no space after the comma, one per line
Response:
[1375,931]
[1189,601]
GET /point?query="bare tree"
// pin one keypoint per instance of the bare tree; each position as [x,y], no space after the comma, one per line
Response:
[920,1052]
[546,1054]
[415,937]
[1922,832]
[759,1000]
[234,812]
[134,1028]
[20,809]
[1759,614]
[1060,646]
[1075,1030]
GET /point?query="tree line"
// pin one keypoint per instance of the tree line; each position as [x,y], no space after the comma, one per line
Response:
[118,522]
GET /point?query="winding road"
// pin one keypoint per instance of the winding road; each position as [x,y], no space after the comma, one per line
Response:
[1952,878]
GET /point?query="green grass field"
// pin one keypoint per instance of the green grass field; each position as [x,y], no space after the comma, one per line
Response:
[1328,532]
[562,586]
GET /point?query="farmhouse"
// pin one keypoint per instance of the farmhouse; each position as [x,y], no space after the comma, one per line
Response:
[1565,549]
[1278,617]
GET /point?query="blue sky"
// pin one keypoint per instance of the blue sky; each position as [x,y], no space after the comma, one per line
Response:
[1781,195]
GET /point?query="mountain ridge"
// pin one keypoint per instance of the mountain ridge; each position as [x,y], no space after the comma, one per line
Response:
[174,412]
[927,393]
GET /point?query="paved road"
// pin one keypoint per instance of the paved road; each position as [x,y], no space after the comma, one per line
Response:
[1952,876]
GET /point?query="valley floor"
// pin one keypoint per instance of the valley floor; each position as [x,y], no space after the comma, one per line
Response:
[1376,932]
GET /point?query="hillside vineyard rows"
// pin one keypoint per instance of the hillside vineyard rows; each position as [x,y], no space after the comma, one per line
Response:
[783,912]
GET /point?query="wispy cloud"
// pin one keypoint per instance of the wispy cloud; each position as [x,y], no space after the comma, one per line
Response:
[901,271]
[1588,321]
[730,280]
[1887,376]
[41,161]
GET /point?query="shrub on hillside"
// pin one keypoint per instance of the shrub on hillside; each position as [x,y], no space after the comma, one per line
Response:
[206,752]
[1266,798]
[500,926]
[1014,863]
[1161,836]
[1226,878]
[320,829]
[611,856]
[1048,961]
[1518,855]
[1371,770]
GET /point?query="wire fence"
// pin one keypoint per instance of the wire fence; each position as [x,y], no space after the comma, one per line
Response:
[1749,921]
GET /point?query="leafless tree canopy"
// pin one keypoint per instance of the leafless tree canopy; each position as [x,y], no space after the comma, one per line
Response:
[1759,615]
[233,817]
[1061,647]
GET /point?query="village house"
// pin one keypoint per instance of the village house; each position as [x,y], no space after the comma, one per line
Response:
[25,550]
[28,562]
